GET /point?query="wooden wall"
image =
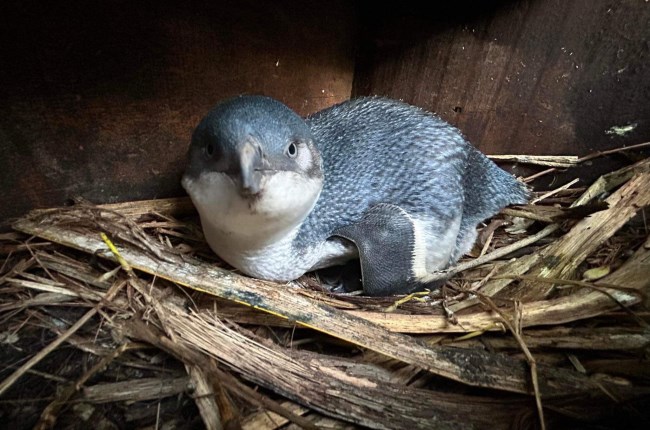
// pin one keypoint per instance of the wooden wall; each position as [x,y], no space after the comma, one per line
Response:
[99,98]
[528,76]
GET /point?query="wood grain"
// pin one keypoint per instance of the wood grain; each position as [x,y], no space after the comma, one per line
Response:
[524,77]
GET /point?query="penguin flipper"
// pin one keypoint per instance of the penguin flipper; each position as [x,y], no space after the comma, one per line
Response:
[385,238]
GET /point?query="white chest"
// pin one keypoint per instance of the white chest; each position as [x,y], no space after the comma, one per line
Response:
[256,236]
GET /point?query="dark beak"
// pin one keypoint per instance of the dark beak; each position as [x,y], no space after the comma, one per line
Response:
[250,164]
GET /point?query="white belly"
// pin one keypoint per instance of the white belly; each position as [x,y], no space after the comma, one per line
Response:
[281,260]
[256,235]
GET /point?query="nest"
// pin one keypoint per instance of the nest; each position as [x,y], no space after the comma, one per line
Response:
[119,316]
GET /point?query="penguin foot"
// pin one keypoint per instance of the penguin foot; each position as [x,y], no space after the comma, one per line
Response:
[341,279]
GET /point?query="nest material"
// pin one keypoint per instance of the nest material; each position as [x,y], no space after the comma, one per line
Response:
[570,270]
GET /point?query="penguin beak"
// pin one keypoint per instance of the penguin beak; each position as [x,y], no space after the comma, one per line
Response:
[250,163]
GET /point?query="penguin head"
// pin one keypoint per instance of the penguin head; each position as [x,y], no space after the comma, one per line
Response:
[253,160]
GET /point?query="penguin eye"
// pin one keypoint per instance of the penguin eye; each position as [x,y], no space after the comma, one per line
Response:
[209,149]
[292,150]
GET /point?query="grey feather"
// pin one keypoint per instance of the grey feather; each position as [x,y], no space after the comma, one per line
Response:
[377,150]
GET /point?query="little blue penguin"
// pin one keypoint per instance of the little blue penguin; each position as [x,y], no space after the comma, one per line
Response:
[280,195]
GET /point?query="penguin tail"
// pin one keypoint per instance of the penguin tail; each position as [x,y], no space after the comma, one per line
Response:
[488,188]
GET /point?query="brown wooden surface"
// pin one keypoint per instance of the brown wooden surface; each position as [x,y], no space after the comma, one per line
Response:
[99,99]
[518,77]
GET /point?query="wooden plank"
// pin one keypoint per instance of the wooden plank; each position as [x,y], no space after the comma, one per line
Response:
[533,76]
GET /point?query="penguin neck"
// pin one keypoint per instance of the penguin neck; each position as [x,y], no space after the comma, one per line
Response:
[265,251]
[247,235]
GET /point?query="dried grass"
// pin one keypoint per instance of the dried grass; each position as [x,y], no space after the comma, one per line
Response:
[254,354]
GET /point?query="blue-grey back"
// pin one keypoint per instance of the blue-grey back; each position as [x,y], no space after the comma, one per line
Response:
[377,150]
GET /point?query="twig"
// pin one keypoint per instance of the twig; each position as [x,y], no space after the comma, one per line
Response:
[11,379]
[540,160]
[245,392]
[269,420]
[204,397]
[600,288]
[20,267]
[589,157]
[487,243]
[44,375]
[136,390]
[418,296]
[183,353]
[125,265]
[569,282]
[498,253]
[40,286]
[484,280]
[555,191]
[612,151]
[529,357]
[50,413]
[539,174]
